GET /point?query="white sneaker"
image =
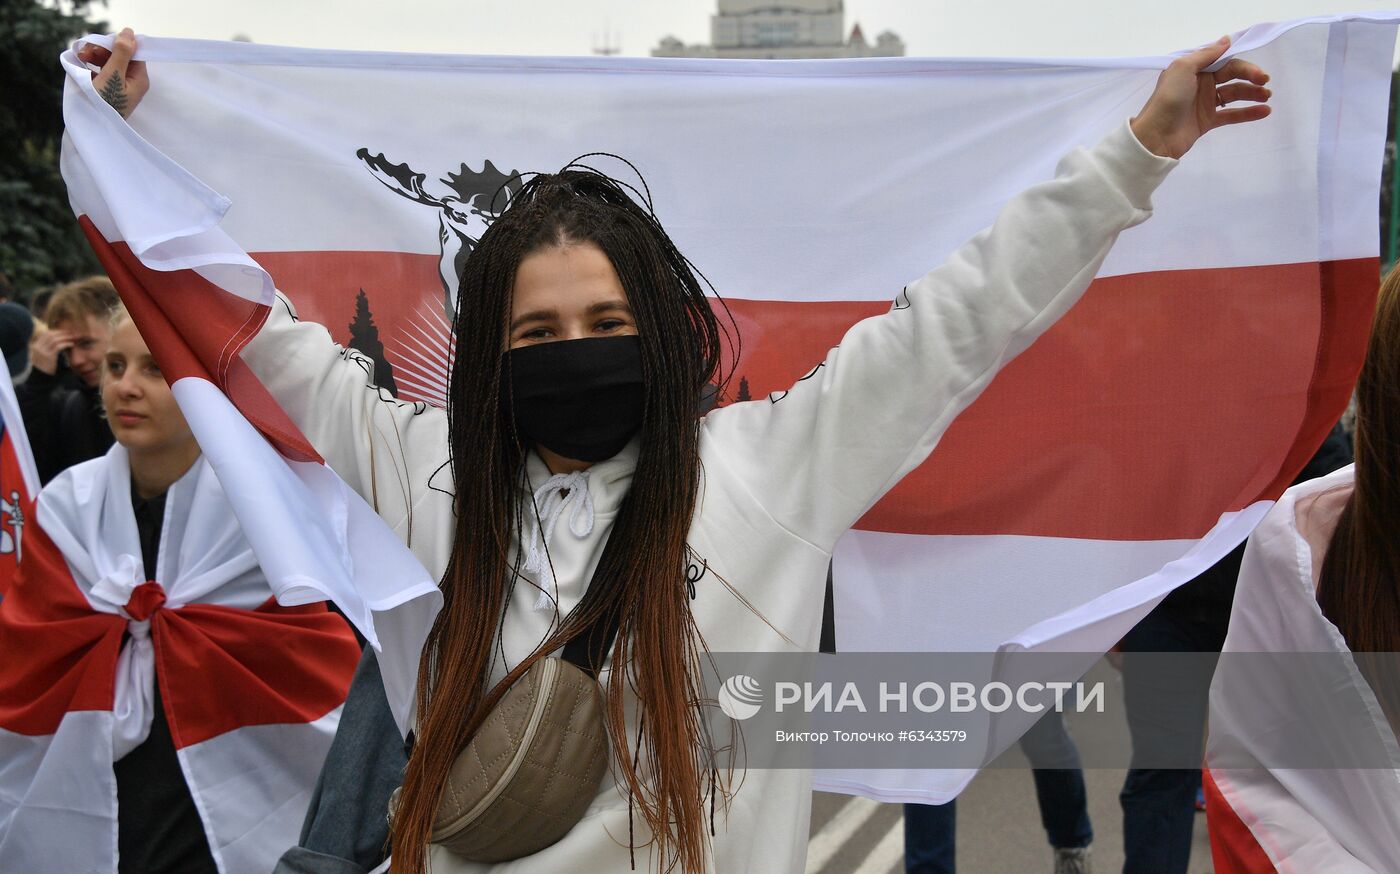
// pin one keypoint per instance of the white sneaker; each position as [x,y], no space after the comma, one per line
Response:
[1073,860]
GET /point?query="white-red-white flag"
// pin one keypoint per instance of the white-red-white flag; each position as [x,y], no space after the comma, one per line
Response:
[1135,443]
[251,690]
[19,483]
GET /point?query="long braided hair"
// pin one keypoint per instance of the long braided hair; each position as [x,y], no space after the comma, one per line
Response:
[657,651]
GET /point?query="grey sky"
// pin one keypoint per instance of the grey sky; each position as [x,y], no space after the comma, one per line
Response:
[565,27]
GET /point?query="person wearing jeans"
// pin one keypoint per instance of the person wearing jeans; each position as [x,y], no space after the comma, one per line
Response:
[1166,694]
[930,832]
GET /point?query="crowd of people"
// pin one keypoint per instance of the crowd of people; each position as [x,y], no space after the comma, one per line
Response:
[583,340]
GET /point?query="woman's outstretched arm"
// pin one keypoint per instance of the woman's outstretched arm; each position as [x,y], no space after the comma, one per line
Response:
[820,455]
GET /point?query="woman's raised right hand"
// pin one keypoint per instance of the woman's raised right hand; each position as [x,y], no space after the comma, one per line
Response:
[122,82]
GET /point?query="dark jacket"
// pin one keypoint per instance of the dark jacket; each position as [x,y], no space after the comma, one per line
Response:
[63,417]
[1207,598]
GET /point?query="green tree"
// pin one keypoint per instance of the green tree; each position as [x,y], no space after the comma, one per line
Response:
[40,242]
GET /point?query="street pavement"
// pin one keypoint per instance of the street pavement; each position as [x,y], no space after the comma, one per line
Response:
[998,829]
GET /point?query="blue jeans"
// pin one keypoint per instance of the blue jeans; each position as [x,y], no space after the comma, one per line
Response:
[1166,701]
[930,838]
[1059,783]
[930,831]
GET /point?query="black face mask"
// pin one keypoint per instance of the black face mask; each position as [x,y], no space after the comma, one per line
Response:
[582,399]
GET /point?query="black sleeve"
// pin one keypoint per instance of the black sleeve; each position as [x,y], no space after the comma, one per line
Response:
[82,427]
[41,398]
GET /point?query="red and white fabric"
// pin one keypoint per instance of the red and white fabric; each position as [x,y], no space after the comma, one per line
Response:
[252,691]
[1129,448]
[1269,809]
[19,483]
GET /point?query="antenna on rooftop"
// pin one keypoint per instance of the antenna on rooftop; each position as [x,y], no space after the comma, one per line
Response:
[609,45]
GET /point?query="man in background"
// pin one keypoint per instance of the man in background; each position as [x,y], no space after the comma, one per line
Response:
[59,400]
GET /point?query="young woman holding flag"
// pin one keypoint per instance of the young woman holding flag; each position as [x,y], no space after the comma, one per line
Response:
[584,342]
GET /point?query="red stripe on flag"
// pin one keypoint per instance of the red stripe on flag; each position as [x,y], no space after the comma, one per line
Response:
[1348,291]
[324,285]
[1206,390]
[1160,400]
[1233,847]
[59,655]
[195,328]
[221,668]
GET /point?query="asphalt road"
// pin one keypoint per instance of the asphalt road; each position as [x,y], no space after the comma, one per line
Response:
[999,830]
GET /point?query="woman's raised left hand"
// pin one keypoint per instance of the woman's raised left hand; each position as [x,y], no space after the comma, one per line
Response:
[1188,101]
[122,82]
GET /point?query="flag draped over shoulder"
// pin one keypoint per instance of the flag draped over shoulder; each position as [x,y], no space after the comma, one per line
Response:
[94,642]
[1130,447]
[19,483]
[1302,757]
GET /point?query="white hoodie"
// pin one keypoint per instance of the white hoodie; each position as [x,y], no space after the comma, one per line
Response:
[783,477]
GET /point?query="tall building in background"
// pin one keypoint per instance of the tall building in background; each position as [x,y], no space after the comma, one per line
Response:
[782,29]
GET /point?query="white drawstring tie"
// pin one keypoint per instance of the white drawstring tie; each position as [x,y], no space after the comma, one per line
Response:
[563,491]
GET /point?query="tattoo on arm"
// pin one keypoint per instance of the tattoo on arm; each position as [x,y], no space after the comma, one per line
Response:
[114,92]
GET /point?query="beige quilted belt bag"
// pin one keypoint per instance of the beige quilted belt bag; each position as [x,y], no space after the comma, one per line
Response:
[531,770]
